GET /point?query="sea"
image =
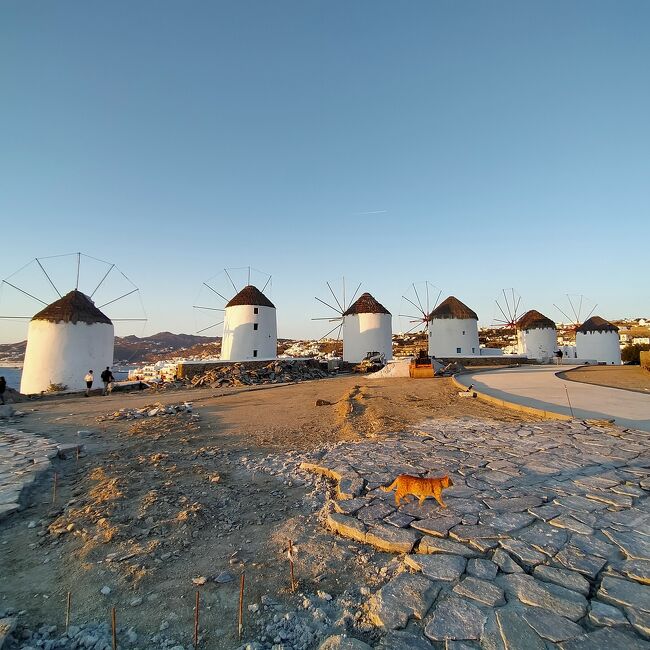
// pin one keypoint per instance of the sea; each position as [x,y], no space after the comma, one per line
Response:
[12,375]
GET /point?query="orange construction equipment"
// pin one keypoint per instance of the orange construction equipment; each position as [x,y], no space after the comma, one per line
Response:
[421,366]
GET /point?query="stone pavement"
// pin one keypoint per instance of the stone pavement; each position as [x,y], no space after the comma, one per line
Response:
[539,387]
[23,458]
[545,541]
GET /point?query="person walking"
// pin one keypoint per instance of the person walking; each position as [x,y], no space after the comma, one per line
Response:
[108,379]
[3,388]
[89,378]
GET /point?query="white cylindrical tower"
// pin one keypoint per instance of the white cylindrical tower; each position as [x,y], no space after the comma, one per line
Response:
[453,330]
[536,336]
[367,327]
[250,329]
[66,340]
[598,339]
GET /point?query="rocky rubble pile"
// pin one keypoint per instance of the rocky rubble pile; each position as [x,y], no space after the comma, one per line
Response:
[275,372]
[150,411]
[90,635]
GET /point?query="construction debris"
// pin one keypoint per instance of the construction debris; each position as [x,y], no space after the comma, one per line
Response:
[275,372]
[150,411]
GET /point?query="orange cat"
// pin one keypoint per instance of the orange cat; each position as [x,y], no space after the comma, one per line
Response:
[419,487]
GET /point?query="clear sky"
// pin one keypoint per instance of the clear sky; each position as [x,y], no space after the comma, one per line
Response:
[477,145]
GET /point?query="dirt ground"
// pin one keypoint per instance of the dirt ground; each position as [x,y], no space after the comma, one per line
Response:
[628,377]
[153,503]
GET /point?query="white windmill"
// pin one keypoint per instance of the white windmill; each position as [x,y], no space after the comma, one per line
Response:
[249,320]
[365,323]
[71,334]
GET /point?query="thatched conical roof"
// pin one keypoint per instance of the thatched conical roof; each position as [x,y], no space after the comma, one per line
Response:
[533,320]
[365,304]
[596,324]
[250,295]
[72,308]
[452,308]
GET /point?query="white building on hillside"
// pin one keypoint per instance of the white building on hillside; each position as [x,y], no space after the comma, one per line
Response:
[453,330]
[536,336]
[250,329]
[66,340]
[367,327]
[598,339]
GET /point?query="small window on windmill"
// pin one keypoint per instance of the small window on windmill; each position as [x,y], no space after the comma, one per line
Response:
[254,326]
[254,353]
[463,332]
[458,350]
[256,310]
[473,350]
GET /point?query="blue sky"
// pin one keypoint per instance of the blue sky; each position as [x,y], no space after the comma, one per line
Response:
[477,145]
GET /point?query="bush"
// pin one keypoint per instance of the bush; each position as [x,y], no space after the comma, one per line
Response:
[56,388]
[631,354]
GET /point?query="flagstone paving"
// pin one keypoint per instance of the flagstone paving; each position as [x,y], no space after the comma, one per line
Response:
[545,541]
[23,458]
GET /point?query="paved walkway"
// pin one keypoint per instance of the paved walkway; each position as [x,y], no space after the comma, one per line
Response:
[539,387]
[542,543]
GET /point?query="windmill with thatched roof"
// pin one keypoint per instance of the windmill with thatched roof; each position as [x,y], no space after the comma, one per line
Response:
[366,325]
[598,339]
[536,336]
[250,330]
[71,335]
[453,330]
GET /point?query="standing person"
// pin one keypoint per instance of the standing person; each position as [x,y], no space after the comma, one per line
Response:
[3,388]
[89,378]
[108,379]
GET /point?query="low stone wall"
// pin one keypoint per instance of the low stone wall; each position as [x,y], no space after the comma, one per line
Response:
[189,370]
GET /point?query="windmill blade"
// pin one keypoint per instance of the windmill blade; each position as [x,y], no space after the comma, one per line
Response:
[48,277]
[563,314]
[334,296]
[215,291]
[573,309]
[329,318]
[591,312]
[328,305]
[410,316]
[209,308]
[265,284]
[124,295]
[102,280]
[25,292]
[354,295]
[507,305]
[338,334]
[437,299]
[414,327]
[231,282]
[501,310]
[328,333]
[426,285]
[417,296]
[209,327]
[414,305]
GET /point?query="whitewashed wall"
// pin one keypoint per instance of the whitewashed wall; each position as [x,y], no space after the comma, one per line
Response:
[363,333]
[538,343]
[448,334]
[240,338]
[62,353]
[602,346]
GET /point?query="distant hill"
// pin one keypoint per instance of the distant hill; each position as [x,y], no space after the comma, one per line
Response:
[133,349]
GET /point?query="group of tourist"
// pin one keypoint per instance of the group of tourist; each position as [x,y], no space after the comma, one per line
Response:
[107,380]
